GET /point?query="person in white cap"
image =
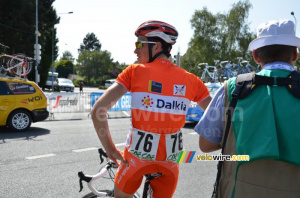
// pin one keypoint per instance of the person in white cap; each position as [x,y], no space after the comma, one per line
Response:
[258,115]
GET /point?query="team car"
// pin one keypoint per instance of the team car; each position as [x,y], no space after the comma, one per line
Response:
[21,103]
[194,112]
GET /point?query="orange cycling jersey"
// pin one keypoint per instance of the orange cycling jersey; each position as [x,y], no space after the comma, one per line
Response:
[161,93]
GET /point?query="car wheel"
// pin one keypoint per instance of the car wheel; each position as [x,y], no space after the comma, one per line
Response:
[19,120]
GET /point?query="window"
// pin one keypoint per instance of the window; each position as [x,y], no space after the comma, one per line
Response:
[4,90]
[20,88]
[52,77]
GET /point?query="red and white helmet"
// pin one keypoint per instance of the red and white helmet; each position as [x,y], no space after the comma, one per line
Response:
[160,29]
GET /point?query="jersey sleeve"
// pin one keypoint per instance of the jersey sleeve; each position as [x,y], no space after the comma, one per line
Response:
[124,78]
[201,91]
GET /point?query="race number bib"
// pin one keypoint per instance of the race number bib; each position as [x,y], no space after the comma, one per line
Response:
[174,145]
[144,144]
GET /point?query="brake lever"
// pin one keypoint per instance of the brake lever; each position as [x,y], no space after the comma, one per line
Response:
[101,154]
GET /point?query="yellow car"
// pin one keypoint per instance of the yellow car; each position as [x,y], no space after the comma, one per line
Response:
[21,103]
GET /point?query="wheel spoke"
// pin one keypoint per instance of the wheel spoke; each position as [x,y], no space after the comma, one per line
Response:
[20,121]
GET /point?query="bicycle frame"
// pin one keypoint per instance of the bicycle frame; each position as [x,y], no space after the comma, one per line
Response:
[107,169]
[227,70]
[213,76]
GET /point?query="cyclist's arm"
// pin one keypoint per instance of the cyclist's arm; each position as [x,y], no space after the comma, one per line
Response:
[99,117]
[204,103]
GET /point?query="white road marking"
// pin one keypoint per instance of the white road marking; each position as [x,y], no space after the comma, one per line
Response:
[125,113]
[76,151]
[85,149]
[121,144]
[193,133]
[40,156]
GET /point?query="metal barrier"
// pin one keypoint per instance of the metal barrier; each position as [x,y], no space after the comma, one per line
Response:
[81,103]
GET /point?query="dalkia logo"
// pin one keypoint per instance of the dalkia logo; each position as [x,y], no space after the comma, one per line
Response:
[147,101]
[175,105]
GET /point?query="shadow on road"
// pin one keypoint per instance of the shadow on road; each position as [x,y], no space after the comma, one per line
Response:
[30,134]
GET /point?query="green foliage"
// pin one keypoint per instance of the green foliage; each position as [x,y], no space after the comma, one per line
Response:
[67,55]
[94,65]
[90,43]
[76,81]
[64,68]
[224,36]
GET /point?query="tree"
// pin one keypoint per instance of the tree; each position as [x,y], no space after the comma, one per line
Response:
[90,43]
[17,21]
[67,55]
[204,43]
[224,36]
[64,68]
[94,64]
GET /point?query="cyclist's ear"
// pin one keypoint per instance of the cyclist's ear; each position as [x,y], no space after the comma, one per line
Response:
[295,54]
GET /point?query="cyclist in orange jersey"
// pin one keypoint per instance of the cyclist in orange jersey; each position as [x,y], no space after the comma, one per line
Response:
[160,96]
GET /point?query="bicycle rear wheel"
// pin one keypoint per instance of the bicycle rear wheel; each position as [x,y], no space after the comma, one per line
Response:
[109,193]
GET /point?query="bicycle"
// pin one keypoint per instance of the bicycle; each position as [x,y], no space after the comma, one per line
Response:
[240,68]
[250,68]
[108,168]
[18,64]
[209,73]
[226,71]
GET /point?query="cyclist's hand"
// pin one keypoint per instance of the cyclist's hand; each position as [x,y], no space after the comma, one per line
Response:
[117,155]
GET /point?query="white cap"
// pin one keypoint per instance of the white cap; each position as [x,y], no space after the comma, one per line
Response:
[280,32]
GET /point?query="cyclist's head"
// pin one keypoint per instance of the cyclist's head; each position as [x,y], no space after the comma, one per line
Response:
[156,33]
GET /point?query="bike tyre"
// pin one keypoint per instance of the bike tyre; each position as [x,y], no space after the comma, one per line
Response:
[92,195]
[13,62]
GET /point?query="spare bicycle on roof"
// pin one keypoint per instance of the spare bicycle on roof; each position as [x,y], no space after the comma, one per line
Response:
[16,65]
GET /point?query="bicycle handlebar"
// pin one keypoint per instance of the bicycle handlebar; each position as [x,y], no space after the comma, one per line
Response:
[223,62]
[101,154]
[201,64]
[4,46]
[89,179]
[107,169]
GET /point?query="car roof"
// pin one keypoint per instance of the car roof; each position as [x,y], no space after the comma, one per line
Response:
[213,85]
[15,79]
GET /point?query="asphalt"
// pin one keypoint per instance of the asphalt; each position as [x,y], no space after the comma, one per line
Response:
[86,115]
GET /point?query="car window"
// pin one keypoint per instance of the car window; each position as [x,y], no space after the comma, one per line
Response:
[4,90]
[50,78]
[110,81]
[20,88]
[65,81]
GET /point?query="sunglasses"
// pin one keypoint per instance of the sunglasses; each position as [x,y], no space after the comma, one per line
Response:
[139,44]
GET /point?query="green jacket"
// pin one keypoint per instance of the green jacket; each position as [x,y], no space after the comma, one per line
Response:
[265,126]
